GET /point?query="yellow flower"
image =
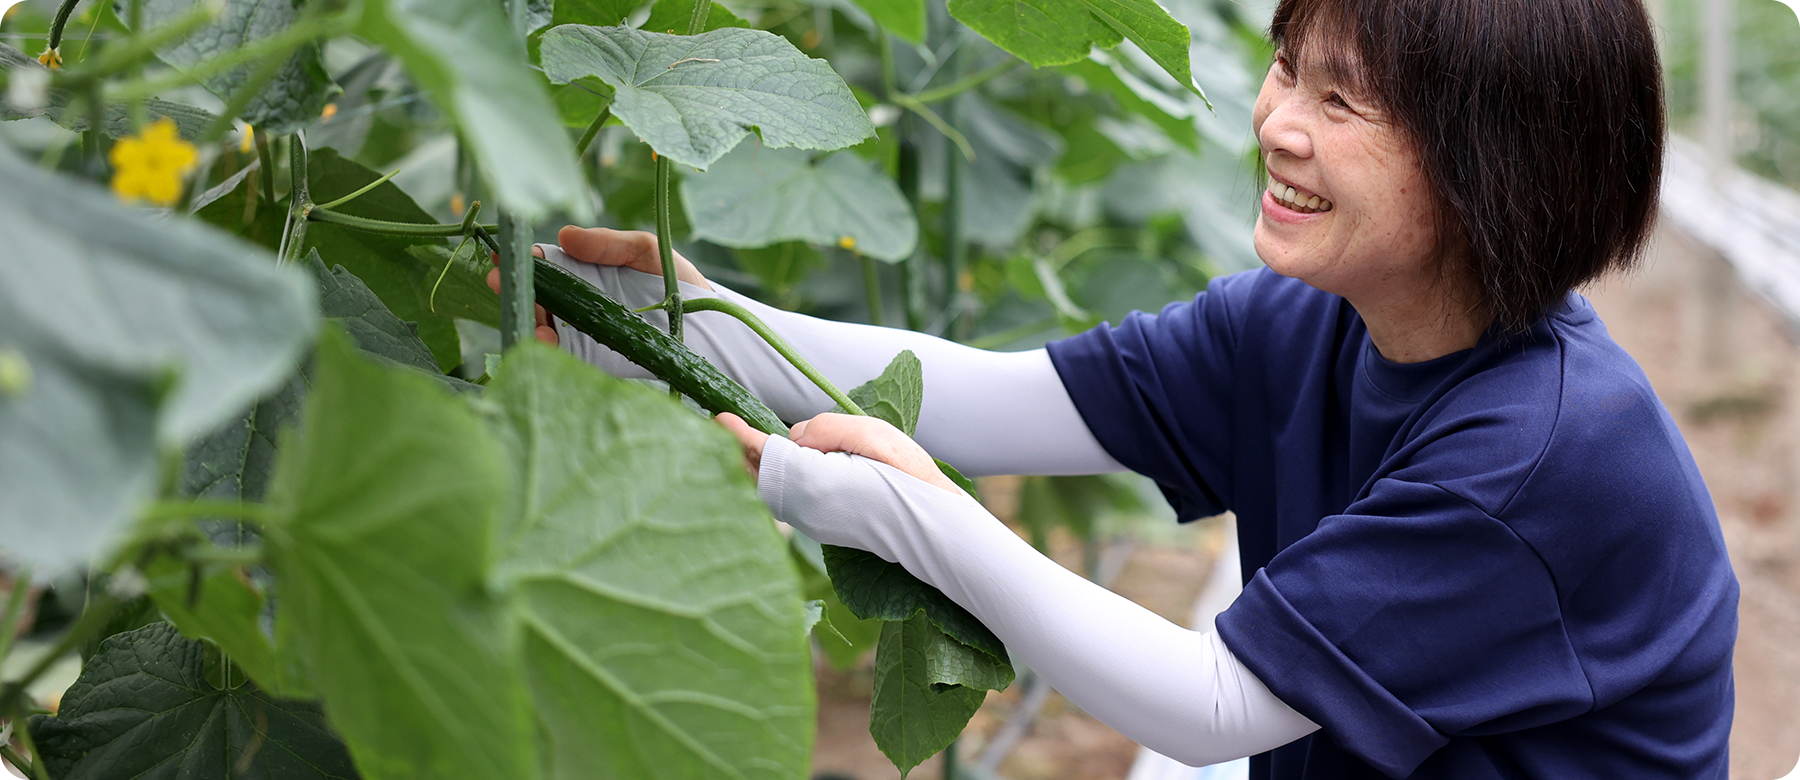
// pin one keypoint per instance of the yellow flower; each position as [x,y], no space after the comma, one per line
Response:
[149,166]
[51,59]
[847,242]
[248,142]
[329,112]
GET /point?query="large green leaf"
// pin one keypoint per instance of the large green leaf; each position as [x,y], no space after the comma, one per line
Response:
[1058,32]
[663,623]
[401,280]
[350,304]
[385,509]
[148,706]
[876,589]
[189,121]
[180,327]
[289,101]
[468,58]
[912,716]
[905,18]
[693,98]
[755,197]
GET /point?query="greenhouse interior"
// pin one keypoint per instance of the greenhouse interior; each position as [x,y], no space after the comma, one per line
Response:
[931,389]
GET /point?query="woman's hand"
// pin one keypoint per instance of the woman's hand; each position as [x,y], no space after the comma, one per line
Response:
[869,437]
[634,249]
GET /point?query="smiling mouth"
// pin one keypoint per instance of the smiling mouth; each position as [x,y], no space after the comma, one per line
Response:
[1298,200]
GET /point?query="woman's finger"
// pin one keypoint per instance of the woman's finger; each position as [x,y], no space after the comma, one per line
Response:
[547,335]
[871,438]
[634,249]
[751,439]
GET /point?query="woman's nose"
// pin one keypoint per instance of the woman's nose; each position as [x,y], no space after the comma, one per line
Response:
[1284,129]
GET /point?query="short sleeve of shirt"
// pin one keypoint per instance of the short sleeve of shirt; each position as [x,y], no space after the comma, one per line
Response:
[1410,618]
[1155,392]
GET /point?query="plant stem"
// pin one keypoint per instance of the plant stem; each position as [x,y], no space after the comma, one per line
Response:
[92,166]
[966,83]
[872,289]
[950,771]
[943,125]
[322,214]
[912,269]
[955,250]
[481,233]
[265,174]
[62,20]
[592,132]
[15,609]
[517,322]
[293,236]
[697,22]
[18,761]
[364,190]
[888,78]
[775,340]
[666,248]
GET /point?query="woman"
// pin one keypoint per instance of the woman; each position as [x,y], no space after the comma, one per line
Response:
[1478,546]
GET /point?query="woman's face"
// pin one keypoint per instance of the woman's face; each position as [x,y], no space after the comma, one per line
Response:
[1370,231]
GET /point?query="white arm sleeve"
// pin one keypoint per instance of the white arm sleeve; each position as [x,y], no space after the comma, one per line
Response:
[1176,691]
[984,412]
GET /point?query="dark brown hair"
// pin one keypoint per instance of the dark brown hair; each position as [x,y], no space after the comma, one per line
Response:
[1539,125]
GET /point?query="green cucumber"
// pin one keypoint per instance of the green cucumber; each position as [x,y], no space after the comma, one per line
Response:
[623,331]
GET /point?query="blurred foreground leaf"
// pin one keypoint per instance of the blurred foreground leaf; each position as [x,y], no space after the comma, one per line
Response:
[385,506]
[615,565]
[180,327]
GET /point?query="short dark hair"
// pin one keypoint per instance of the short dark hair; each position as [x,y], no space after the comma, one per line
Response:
[1539,125]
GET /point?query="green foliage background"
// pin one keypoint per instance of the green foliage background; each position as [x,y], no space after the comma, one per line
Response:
[351,538]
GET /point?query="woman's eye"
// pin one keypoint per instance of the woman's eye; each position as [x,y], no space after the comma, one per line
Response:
[1337,100]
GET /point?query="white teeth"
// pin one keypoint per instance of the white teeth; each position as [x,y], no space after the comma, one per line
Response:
[1291,198]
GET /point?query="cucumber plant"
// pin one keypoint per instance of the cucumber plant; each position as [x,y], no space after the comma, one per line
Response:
[325,535]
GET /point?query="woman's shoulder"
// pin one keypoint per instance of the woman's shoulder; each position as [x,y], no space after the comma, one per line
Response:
[1561,405]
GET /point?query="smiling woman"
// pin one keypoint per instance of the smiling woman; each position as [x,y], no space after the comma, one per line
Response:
[1476,544]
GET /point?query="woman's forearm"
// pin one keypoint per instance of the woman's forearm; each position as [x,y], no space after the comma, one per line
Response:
[1177,691]
[983,412]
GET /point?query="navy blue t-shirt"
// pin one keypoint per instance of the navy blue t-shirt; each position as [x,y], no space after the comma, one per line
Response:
[1498,564]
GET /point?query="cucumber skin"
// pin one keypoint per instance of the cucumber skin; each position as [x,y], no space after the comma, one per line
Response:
[623,331]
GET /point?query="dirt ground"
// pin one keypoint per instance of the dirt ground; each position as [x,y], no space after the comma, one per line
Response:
[1729,373]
